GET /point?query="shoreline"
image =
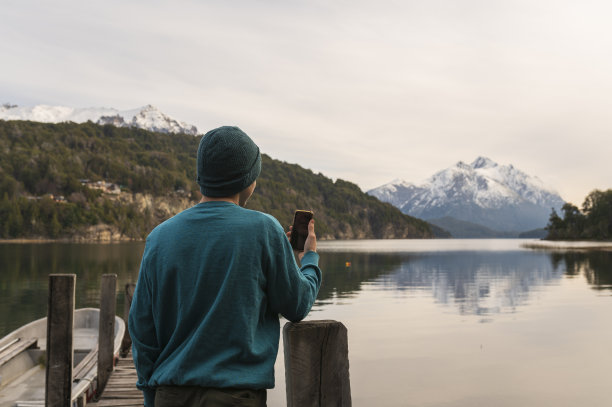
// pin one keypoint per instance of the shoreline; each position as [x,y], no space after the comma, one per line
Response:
[550,245]
[566,245]
[66,240]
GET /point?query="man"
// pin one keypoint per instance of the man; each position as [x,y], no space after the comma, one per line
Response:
[213,280]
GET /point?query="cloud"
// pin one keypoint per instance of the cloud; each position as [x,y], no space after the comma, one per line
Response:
[367,91]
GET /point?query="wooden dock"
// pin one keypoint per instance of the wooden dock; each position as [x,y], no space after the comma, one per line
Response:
[316,355]
[121,391]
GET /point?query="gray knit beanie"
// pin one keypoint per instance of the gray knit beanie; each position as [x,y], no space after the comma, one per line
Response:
[228,162]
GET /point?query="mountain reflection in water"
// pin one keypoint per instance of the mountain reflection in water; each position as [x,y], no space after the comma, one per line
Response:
[477,283]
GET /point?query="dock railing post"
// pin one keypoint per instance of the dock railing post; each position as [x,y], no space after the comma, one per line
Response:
[106,339]
[126,343]
[60,326]
[316,364]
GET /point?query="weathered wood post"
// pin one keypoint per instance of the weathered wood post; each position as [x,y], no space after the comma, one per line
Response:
[106,339]
[60,326]
[316,364]
[126,343]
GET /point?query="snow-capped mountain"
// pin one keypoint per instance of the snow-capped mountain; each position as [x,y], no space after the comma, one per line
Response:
[499,197]
[147,117]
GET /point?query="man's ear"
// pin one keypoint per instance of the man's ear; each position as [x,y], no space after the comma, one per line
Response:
[245,194]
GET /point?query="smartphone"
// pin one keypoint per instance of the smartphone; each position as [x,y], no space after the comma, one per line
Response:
[299,232]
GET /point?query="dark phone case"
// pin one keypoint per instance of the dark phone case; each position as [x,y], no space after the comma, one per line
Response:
[299,232]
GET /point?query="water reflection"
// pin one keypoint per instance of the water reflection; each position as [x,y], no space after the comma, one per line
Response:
[346,273]
[596,266]
[24,270]
[477,283]
[480,283]
[497,279]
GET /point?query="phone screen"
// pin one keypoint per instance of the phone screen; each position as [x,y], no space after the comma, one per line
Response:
[299,232]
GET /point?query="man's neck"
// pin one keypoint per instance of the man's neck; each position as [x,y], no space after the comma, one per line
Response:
[233,199]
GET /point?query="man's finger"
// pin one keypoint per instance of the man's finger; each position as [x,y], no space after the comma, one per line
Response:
[311,227]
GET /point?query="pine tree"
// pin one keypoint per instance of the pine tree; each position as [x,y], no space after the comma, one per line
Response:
[15,220]
[54,227]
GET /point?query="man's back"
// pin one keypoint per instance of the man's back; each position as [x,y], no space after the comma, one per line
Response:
[213,280]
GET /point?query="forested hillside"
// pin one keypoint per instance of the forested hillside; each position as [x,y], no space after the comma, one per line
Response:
[72,180]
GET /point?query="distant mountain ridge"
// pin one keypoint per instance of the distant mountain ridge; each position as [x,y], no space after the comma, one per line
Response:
[499,197]
[468,230]
[147,117]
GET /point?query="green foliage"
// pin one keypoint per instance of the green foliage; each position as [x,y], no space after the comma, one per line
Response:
[52,158]
[38,160]
[594,222]
[24,218]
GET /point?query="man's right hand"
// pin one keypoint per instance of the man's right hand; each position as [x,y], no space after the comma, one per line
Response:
[311,241]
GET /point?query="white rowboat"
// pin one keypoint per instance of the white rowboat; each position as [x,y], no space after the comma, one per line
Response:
[23,355]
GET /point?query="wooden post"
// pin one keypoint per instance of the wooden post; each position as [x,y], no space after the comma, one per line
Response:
[126,343]
[60,326]
[106,339]
[316,364]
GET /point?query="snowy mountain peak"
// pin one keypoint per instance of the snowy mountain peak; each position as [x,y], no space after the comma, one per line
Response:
[483,162]
[147,117]
[500,197]
[399,181]
[462,165]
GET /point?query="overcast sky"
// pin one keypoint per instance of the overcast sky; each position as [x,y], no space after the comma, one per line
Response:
[367,91]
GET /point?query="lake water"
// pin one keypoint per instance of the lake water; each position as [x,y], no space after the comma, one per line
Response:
[435,323]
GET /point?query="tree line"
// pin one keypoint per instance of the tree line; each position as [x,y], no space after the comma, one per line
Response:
[593,222]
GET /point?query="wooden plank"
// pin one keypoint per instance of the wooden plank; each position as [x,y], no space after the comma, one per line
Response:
[60,324]
[316,364]
[85,365]
[121,388]
[9,345]
[106,339]
[15,348]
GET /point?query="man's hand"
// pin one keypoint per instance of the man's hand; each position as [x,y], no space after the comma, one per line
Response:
[311,241]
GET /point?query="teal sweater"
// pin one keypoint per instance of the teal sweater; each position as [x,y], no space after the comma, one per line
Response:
[213,281]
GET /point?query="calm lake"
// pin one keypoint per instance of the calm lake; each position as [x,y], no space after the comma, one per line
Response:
[430,322]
